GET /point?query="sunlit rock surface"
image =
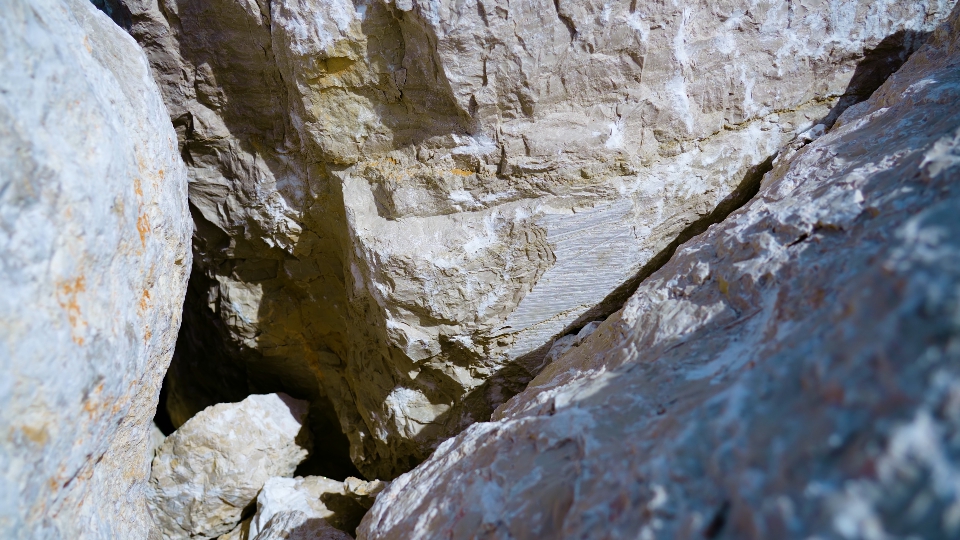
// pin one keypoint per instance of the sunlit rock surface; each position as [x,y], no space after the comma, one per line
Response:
[794,372]
[401,205]
[212,468]
[94,259]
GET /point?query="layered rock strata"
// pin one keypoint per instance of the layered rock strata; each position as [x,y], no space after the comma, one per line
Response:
[400,205]
[794,372]
[209,471]
[94,259]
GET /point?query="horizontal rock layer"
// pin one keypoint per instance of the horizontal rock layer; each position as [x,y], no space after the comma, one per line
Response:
[400,205]
[94,259]
[794,372]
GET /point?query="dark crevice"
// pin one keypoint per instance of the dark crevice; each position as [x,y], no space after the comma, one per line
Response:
[715,528]
[747,189]
[162,418]
[566,20]
[118,12]
[876,66]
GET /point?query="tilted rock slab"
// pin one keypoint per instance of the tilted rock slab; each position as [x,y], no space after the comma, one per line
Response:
[794,372]
[94,259]
[211,468]
[400,205]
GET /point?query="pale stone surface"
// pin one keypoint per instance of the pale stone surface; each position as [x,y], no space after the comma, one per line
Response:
[211,468]
[794,372]
[401,205]
[94,258]
[314,497]
[297,525]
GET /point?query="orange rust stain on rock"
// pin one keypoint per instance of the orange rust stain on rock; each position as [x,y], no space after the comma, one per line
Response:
[143,226]
[67,294]
[90,405]
[36,435]
[144,300]
[461,172]
[137,188]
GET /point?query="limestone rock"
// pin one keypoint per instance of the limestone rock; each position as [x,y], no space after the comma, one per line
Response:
[362,491]
[94,258]
[211,468]
[401,204]
[794,372]
[297,525]
[312,497]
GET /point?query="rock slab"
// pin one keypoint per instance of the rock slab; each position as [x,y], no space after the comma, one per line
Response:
[794,372]
[211,469]
[94,259]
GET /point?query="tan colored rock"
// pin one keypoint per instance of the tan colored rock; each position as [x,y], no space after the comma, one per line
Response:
[212,468]
[362,491]
[94,258]
[793,372]
[240,532]
[401,205]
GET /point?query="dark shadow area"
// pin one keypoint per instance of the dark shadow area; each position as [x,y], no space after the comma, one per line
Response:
[162,418]
[876,66]
[347,513]
[116,11]
[207,369]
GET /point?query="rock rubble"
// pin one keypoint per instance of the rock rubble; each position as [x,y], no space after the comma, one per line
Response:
[209,471]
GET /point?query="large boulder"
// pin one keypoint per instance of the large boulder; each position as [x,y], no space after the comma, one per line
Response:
[400,205]
[210,470]
[794,372]
[94,259]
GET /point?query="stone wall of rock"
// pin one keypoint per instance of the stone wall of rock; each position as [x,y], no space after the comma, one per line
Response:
[794,372]
[400,205]
[94,259]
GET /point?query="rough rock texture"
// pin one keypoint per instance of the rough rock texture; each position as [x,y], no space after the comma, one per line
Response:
[210,470]
[364,492]
[94,258]
[794,372]
[297,525]
[400,205]
[315,497]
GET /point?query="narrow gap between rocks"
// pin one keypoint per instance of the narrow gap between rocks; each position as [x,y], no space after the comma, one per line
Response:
[876,66]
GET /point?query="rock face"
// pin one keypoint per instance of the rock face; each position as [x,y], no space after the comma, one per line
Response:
[400,205]
[210,470]
[794,372]
[94,259]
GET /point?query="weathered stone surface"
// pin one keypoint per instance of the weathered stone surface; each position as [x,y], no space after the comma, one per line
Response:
[400,205]
[794,372]
[314,497]
[297,525]
[362,491]
[94,257]
[211,468]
